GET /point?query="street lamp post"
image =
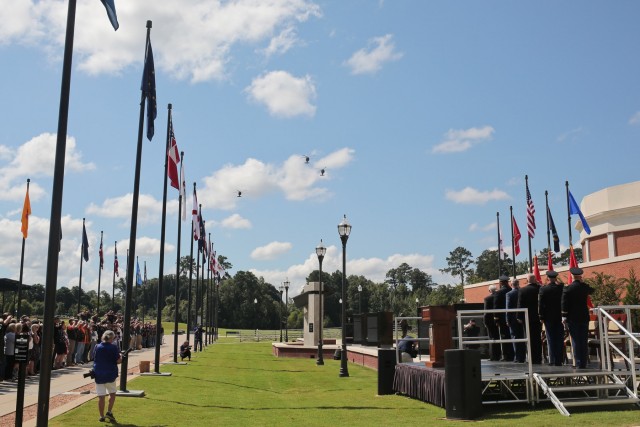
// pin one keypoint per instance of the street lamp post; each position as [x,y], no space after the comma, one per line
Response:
[344,229]
[286,310]
[320,251]
[281,290]
[360,298]
[417,306]
[255,311]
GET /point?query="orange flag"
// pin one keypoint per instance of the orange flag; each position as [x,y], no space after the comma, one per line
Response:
[536,269]
[573,262]
[26,211]
[550,261]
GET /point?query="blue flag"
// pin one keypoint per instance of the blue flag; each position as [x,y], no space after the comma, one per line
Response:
[138,276]
[575,209]
[111,12]
[85,244]
[148,88]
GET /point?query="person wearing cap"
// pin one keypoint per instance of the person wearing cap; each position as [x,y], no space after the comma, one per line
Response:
[515,327]
[490,324]
[528,298]
[575,313]
[500,302]
[550,314]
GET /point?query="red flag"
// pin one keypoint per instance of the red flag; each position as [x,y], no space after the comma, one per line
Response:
[173,158]
[573,262]
[26,211]
[516,237]
[550,261]
[195,219]
[531,210]
[536,269]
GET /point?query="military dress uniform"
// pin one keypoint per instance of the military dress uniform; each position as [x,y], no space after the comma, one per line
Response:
[576,312]
[549,311]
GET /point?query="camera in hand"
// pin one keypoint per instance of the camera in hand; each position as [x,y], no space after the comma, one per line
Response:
[126,352]
[91,374]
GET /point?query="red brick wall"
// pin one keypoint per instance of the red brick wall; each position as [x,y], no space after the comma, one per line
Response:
[598,248]
[627,242]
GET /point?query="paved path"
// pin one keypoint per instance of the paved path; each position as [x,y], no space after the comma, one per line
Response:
[67,379]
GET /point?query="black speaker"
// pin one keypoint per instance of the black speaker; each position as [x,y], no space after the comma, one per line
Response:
[380,328]
[386,370]
[463,384]
[359,328]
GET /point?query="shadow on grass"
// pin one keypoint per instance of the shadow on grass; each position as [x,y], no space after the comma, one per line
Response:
[232,384]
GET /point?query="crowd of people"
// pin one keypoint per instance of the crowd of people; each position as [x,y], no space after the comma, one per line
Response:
[551,310]
[74,339]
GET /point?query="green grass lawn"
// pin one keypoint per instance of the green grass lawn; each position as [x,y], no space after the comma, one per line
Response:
[243,384]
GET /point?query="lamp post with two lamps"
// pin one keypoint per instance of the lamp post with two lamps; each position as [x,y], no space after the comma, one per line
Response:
[344,229]
[320,251]
[281,289]
[286,309]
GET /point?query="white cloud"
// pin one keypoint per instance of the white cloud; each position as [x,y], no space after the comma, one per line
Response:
[236,221]
[283,94]
[371,59]
[459,140]
[296,179]
[193,39]
[488,227]
[149,209]
[635,119]
[271,251]
[374,269]
[572,135]
[33,159]
[472,196]
[281,43]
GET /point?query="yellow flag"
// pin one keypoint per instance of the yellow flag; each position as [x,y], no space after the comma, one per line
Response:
[26,211]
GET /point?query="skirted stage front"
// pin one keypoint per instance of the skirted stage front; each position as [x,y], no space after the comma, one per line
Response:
[419,382]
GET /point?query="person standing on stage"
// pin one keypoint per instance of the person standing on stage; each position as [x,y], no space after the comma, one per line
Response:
[515,327]
[490,324]
[500,302]
[528,299]
[550,314]
[575,313]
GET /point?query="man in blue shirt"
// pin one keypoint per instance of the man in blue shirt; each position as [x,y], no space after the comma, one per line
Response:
[105,366]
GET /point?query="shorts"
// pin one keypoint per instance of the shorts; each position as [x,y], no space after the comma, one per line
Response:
[107,388]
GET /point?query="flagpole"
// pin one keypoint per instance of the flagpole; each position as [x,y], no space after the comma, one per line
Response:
[113,288]
[54,222]
[526,180]
[145,285]
[513,244]
[162,240]
[99,273]
[203,285]
[177,293]
[216,282]
[499,256]
[197,273]
[206,291]
[546,202]
[566,183]
[190,271]
[81,256]
[18,307]
[134,224]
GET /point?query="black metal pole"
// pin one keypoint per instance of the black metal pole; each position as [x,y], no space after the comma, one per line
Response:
[203,291]
[197,290]
[177,293]
[126,335]
[566,183]
[513,245]
[344,370]
[81,260]
[100,272]
[281,310]
[189,324]
[286,313]
[215,320]
[159,299]
[499,238]
[320,358]
[54,224]
[113,288]
[18,310]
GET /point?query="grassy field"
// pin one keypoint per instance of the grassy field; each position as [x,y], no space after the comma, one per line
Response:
[242,384]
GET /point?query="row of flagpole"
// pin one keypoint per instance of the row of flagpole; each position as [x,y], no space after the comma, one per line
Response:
[572,209]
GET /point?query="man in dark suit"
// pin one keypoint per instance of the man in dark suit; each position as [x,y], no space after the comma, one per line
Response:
[490,324]
[550,314]
[515,327]
[528,298]
[575,313]
[500,302]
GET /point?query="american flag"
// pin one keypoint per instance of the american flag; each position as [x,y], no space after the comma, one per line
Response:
[531,211]
[173,158]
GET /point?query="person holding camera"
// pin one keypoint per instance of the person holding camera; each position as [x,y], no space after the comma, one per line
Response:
[105,370]
[185,350]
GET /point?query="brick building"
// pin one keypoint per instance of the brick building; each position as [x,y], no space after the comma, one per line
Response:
[613,247]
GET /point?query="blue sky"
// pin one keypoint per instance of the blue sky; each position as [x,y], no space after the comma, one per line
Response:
[426,115]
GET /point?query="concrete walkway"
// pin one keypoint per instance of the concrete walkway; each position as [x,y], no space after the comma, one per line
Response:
[67,379]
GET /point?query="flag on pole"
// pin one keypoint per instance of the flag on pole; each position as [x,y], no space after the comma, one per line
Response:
[554,232]
[138,276]
[500,245]
[26,211]
[202,241]
[173,158]
[573,262]
[85,244]
[550,261]
[115,262]
[531,220]
[145,272]
[101,253]
[111,13]
[183,191]
[195,216]
[574,209]
[536,269]
[148,89]
[516,238]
